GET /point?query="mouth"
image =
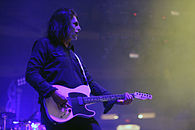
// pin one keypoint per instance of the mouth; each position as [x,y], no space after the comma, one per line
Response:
[74,36]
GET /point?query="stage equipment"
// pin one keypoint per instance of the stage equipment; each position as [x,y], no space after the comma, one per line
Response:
[5,116]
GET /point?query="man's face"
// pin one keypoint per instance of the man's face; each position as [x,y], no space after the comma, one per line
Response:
[76,28]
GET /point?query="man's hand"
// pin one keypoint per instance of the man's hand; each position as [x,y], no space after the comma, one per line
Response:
[60,100]
[128,99]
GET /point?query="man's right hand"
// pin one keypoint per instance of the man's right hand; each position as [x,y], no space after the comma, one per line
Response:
[59,99]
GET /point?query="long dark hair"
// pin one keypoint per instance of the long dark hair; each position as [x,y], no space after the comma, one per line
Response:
[59,28]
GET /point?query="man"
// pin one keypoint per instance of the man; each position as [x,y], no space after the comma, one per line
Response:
[53,62]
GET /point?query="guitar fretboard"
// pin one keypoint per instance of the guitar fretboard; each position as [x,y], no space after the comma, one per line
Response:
[104,98]
[95,99]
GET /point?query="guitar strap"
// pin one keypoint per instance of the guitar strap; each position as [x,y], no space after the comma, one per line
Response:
[81,68]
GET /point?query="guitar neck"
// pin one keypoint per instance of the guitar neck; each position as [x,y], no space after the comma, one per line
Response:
[95,99]
[104,98]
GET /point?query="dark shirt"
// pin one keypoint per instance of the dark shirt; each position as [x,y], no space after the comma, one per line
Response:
[55,64]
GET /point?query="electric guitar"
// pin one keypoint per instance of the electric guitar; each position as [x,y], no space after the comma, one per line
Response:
[77,99]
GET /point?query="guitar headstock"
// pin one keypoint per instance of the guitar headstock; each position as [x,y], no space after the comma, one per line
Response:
[142,96]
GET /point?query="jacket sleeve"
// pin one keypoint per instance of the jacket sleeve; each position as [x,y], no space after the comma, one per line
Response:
[97,89]
[35,67]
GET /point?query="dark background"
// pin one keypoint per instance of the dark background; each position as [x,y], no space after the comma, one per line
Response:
[161,32]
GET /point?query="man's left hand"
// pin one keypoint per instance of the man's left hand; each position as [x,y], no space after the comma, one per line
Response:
[128,99]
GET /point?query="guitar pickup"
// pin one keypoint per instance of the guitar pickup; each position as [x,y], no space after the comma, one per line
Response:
[80,100]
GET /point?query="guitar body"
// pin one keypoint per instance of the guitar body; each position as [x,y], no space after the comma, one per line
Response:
[74,97]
